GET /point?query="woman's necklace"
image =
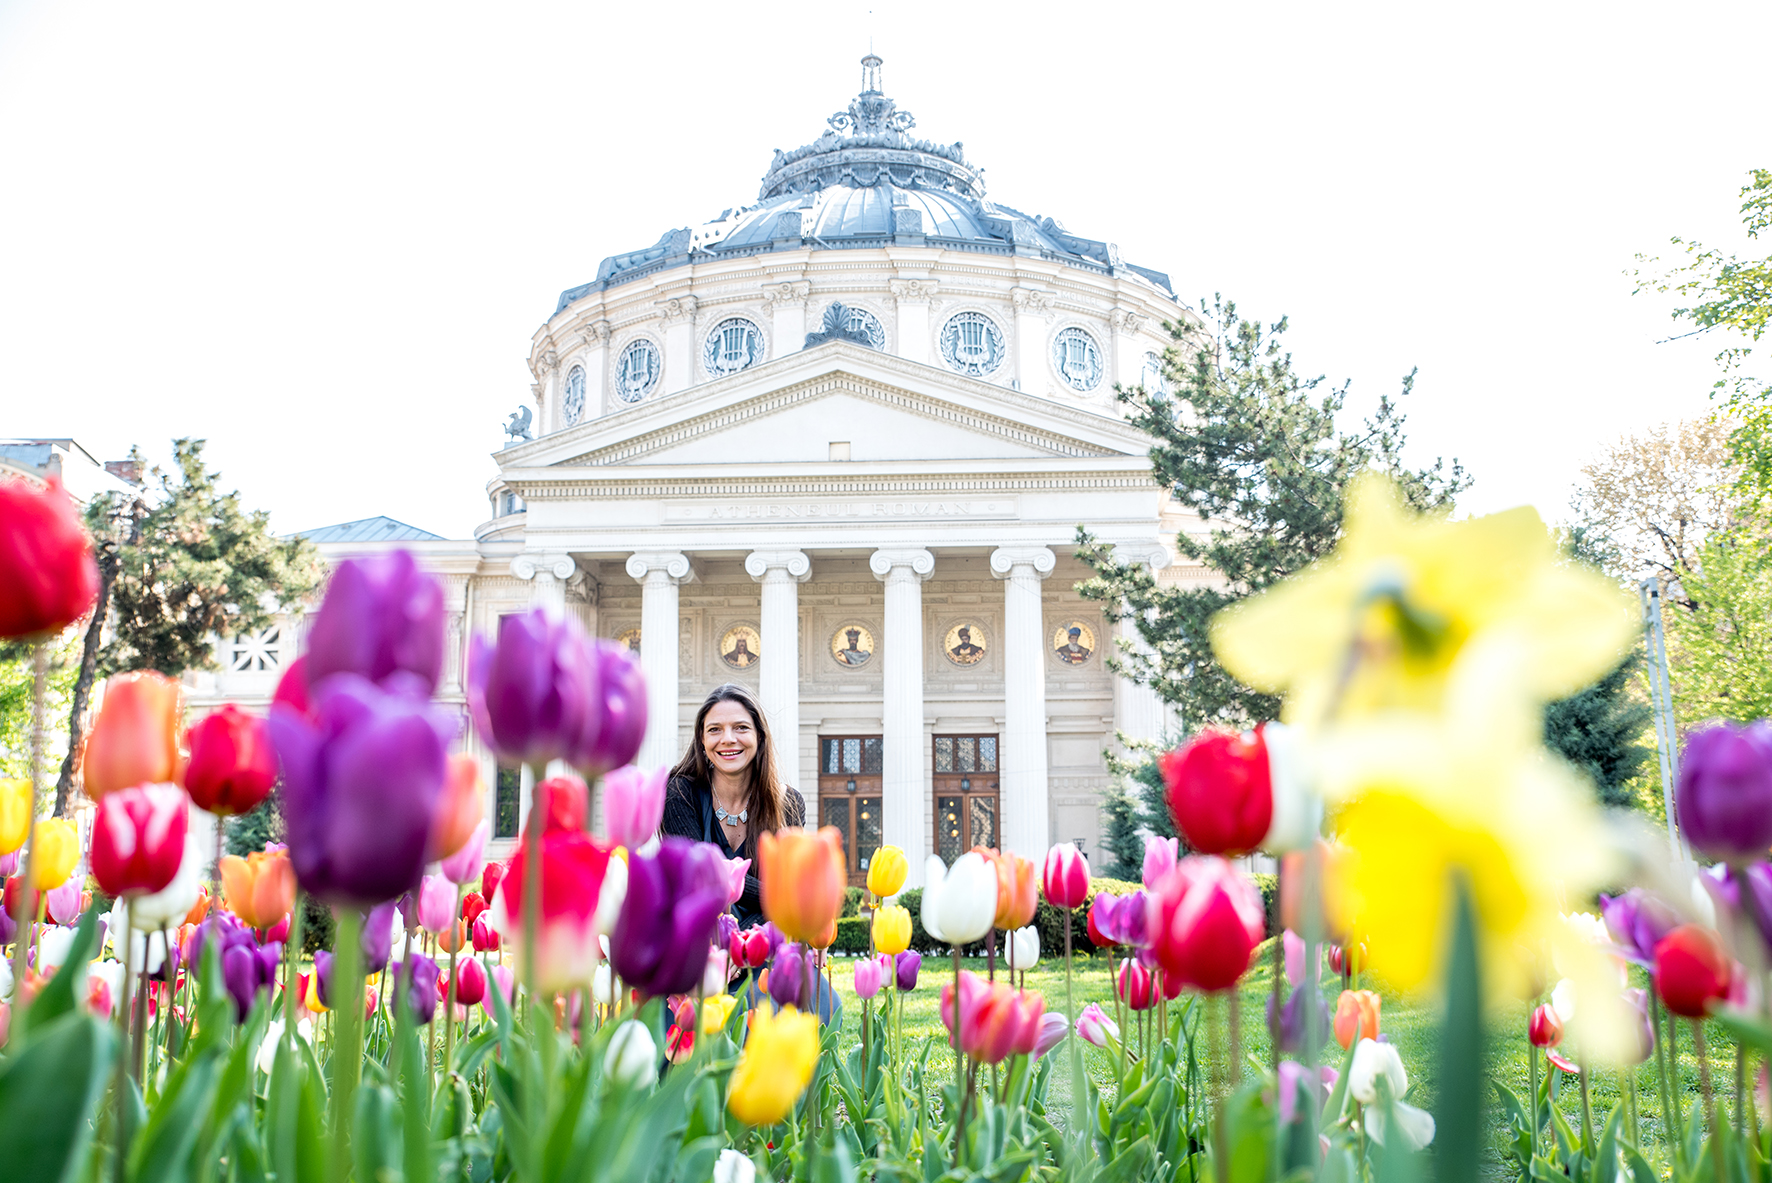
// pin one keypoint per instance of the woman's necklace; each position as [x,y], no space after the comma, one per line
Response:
[732,819]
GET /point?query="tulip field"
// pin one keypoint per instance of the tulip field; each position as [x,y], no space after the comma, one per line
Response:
[1467,971]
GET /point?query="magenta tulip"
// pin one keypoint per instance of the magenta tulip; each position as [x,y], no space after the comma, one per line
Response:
[381,616]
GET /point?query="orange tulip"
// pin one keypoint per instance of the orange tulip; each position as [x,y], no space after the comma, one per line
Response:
[826,936]
[134,740]
[454,938]
[1356,1016]
[200,909]
[260,888]
[803,880]
[460,808]
[1017,890]
[1337,863]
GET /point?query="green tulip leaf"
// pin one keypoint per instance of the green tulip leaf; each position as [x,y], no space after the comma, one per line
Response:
[48,1091]
[163,1152]
[56,998]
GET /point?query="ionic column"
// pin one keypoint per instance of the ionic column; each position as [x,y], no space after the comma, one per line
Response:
[1024,804]
[547,575]
[778,680]
[659,574]
[903,821]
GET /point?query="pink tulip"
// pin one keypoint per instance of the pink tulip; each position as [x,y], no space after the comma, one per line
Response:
[1065,876]
[470,981]
[501,977]
[486,938]
[1137,986]
[633,804]
[736,869]
[436,903]
[1053,1027]
[466,864]
[717,973]
[62,904]
[1160,855]
[867,977]
[1096,1027]
[1294,945]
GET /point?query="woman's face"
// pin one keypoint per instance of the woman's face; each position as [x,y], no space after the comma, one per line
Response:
[729,737]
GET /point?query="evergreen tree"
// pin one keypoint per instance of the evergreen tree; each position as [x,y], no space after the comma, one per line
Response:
[250,831]
[1600,731]
[1244,441]
[1121,840]
[180,567]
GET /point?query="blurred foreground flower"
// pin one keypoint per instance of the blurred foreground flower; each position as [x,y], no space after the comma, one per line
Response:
[633,804]
[660,942]
[582,891]
[382,616]
[803,880]
[1724,797]
[48,578]
[134,738]
[138,838]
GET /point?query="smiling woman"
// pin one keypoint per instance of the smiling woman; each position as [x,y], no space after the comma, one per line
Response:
[726,788]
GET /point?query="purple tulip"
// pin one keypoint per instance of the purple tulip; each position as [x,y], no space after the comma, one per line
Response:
[787,975]
[421,986]
[378,937]
[622,690]
[9,927]
[668,917]
[1290,1027]
[1644,1047]
[361,782]
[534,694]
[1724,797]
[381,616]
[774,936]
[1053,1027]
[1637,921]
[725,927]
[9,864]
[909,962]
[1123,920]
[247,967]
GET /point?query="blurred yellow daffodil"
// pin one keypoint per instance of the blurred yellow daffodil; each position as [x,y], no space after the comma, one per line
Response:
[776,1066]
[1383,622]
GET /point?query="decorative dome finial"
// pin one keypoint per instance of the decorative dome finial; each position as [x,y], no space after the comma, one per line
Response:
[870,73]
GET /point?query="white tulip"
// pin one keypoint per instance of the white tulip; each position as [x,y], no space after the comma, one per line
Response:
[610,896]
[603,984]
[1298,809]
[959,903]
[1416,1125]
[109,972]
[53,947]
[1563,999]
[1371,1061]
[267,1048]
[632,1056]
[5,979]
[167,907]
[1023,948]
[733,1167]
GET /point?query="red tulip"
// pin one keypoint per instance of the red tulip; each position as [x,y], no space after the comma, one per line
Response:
[1207,921]
[1065,876]
[138,838]
[1220,791]
[485,939]
[561,803]
[1096,937]
[1691,970]
[134,740]
[292,688]
[489,879]
[1544,1029]
[232,765]
[749,949]
[47,577]
[574,910]
[1136,985]
[470,982]
[472,904]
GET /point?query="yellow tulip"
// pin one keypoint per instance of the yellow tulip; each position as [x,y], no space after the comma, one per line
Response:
[715,1012]
[58,849]
[776,1065]
[887,871]
[892,930]
[311,999]
[15,814]
[1414,596]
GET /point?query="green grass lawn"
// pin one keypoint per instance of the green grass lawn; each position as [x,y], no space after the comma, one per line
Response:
[1411,1026]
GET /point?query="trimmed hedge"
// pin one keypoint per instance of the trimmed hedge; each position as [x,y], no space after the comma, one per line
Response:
[852,930]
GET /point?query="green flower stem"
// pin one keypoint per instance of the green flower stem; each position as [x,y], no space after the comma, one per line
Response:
[291,974]
[449,1002]
[22,910]
[347,1048]
[959,1059]
[532,896]
[121,1161]
[1070,1011]
[1587,1113]
[1532,1077]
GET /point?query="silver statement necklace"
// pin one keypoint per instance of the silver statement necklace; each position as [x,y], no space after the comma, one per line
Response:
[732,819]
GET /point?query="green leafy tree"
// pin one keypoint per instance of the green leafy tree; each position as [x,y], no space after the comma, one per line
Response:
[1722,652]
[1253,448]
[1121,841]
[181,566]
[1732,296]
[250,831]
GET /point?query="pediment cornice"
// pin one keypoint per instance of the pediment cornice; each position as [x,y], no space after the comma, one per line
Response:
[837,368]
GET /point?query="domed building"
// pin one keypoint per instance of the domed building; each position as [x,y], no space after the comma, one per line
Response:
[835,445]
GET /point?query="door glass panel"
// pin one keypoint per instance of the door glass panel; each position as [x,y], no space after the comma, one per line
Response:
[987,753]
[968,761]
[949,842]
[872,753]
[508,802]
[852,756]
[830,757]
[867,830]
[944,753]
[836,813]
[984,820]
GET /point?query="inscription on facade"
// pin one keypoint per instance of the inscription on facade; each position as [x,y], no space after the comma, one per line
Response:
[823,510]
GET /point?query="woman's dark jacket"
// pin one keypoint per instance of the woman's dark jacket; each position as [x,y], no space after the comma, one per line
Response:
[689,813]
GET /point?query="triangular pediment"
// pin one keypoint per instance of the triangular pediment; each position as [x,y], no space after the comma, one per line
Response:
[792,409]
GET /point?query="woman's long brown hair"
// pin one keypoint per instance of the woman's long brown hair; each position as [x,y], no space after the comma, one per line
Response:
[766,793]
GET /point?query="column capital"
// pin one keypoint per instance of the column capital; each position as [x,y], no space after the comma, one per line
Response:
[1005,559]
[529,564]
[920,562]
[1153,552]
[759,563]
[674,565]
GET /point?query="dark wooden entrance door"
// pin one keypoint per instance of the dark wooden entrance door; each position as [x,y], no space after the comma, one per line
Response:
[965,794]
[849,771]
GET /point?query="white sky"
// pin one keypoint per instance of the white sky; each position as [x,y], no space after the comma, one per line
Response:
[322,235]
